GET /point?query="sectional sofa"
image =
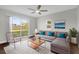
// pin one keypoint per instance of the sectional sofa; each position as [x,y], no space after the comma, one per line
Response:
[52,35]
[47,35]
[59,41]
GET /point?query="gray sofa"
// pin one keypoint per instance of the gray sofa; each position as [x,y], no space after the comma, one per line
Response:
[61,46]
[47,36]
[59,43]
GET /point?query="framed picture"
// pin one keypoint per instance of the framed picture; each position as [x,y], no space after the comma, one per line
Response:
[59,25]
[48,26]
[49,23]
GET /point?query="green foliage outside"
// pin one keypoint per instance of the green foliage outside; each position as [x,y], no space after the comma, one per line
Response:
[17,32]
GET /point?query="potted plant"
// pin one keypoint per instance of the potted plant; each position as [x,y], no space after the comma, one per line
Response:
[73,33]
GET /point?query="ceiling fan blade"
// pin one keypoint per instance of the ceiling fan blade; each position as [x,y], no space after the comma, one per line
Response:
[32,12]
[39,13]
[38,7]
[43,10]
[31,9]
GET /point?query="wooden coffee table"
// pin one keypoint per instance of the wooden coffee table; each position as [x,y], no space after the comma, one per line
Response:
[36,45]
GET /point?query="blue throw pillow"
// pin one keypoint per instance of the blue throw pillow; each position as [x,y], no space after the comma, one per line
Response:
[42,33]
[61,35]
[50,33]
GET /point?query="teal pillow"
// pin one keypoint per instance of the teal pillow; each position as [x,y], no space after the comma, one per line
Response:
[61,35]
[50,34]
[42,33]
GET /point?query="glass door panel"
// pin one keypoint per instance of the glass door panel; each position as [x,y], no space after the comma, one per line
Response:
[25,28]
[19,27]
[15,26]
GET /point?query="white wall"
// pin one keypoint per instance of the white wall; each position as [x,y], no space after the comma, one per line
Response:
[4,23]
[78,25]
[4,26]
[33,25]
[78,18]
[69,16]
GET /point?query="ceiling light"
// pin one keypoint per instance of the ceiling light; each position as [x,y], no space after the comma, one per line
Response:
[37,11]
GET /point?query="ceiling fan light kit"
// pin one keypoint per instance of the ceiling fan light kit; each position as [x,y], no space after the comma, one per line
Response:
[38,11]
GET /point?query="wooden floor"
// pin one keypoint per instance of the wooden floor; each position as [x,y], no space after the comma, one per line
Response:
[2,51]
[74,49]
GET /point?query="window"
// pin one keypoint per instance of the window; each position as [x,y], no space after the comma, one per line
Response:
[19,27]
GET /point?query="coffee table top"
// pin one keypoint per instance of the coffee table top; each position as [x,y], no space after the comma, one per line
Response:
[41,41]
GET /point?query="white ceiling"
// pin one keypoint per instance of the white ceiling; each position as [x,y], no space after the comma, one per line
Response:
[23,9]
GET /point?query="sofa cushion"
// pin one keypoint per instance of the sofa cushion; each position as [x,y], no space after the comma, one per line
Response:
[60,42]
[50,33]
[42,32]
[47,37]
[60,35]
[42,36]
[59,45]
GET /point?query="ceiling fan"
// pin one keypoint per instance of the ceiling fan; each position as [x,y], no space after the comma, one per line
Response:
[38,10]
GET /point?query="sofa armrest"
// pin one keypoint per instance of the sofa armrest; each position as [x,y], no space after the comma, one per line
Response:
[67,39]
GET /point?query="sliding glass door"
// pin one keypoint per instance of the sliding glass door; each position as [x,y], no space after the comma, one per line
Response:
[19,27]
[24,28]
